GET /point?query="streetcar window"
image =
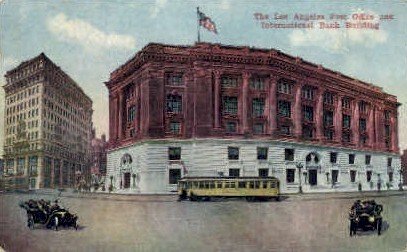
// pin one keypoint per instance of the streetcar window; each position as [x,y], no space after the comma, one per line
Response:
[211,184]
[273,184]
[206,184]
[264,184]
[242,184]
[232,184]
[219,184]
[256,184]
[195,184]
[251,184]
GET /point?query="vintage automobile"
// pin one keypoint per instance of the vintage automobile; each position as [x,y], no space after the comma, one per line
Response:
[365,215]
[51,216]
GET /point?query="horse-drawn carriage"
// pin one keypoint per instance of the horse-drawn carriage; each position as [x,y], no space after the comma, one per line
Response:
[365,215]
[51,216]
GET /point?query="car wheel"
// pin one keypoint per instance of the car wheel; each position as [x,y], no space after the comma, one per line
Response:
[56,223]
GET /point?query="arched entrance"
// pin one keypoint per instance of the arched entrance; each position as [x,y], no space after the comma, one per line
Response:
[125,171]
[312,162]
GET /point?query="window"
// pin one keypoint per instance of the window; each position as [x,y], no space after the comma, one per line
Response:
[258,128]
[32,165]
[346,121]
[367,159]
[387,130]
[307,132]
[174,176]
[284,108]
[335,176]
[263,173]
[307,93]
[175,127]
[390,176]
[352,176]
[346,137]
[229,82]
[262,153]
[174,153]
[329,134]
[308,113]
[290,176]
[131,113]
[389,161]
[351,158]
[231,127]
[386,115]
[362,107]
[328,98]
[346,103]
[174,103]
[174,79]
[20,166]
[368,176]
[257,83]
[362,124]
[258,107]
[363,140]
[233,153]
[230,105]
[328,118]
[234,172]
[289,154]
[285,130]
[285,86]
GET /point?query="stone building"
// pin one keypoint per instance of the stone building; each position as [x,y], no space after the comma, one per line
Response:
[99,157]
[47,127]
[217,110]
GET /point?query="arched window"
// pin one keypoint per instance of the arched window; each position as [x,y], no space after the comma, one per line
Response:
[126,159]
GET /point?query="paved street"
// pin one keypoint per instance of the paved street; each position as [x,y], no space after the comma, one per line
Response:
[159,223]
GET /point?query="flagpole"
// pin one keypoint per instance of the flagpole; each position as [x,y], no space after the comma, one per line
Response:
[198,26]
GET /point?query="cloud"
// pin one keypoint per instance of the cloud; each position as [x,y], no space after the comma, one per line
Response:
[339,40]
[225,5]
[7,63]
[82,33]
[159,4]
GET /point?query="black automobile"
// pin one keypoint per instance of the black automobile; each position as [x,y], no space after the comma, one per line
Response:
[365,215]
[51,216]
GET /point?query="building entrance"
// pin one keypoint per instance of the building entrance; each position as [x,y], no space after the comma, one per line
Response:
[126,183]
[312,177]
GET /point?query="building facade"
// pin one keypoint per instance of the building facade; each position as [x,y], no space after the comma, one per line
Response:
[99,158]
[404,167]
[216,110]
[47,127]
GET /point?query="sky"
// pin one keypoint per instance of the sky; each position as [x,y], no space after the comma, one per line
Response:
[90,39]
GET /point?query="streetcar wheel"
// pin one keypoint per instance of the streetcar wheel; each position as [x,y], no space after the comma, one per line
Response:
[278,198]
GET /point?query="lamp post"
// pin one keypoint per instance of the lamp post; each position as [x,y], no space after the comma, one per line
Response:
[299,166]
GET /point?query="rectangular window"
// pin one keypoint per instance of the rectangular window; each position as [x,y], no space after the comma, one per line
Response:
[258,128]
[230,105]
[390,176]
[285,86]
[289,154]
[174,103]
[290,175]
[258,107]
[387,130]
[368,176]
[389,161]
[234,172]
[329,134]
[175,127]
[335,176]
[174,176]
[229,81]
[346,103]
[131,113]
[307,132]
[328,98]
[32,165]
[351,158]
[20,166]
[333,157]
[284,108]
[257,83]
[174,153]
[307,93]
[346,137]
[346,121]
[262,153]
[308,113]
[263,173]
[362,107]
[386,115]
[352,176]
[328,118]
[231,127]
[285,130]
[367,159]
[362,124]
[233,153]
[174,80]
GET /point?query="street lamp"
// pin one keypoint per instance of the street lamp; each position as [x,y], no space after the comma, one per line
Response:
[299,166]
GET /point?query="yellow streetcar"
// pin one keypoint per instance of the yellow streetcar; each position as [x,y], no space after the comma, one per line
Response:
[252,188]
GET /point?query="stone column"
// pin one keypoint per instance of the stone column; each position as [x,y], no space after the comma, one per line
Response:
[338,119]
[318,114]
[216,95]
[394,136]
[378,128]
[355,122]
[370,127]
[297,112]
[137,117]
[272,105]
[120,119]
[245,102]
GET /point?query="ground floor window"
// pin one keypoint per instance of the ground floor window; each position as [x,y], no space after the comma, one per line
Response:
[290,175]
[263,172]
[57,172]
[334,176]
[234,172]
[352,176]
[174,176]
[390,176]
[47,171]
[369,176]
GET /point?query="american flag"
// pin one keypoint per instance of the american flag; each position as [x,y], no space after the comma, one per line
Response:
[207,22]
